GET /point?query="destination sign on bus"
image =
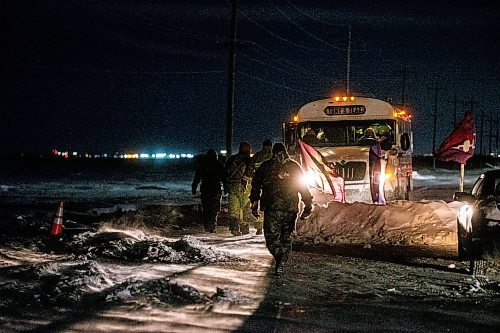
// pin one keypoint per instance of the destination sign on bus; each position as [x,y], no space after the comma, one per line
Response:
[333,110]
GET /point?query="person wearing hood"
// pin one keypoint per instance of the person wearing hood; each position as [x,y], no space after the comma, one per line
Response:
[276,185]
[237,174]
[210,172]
[257,159]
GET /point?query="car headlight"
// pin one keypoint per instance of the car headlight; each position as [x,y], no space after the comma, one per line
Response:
[465,216]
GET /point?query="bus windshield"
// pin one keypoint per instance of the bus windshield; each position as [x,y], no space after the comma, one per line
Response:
[345,133]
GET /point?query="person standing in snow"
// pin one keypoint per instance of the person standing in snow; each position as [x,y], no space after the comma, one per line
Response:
[375,157]
[276,185]
[256,161]
[211,174]
[237,174]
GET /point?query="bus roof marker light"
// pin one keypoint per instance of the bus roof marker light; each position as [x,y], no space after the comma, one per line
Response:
[352,98]
[344,98]
[296,118]
[337,98]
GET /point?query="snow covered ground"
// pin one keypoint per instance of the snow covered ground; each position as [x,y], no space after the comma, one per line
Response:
[356,267]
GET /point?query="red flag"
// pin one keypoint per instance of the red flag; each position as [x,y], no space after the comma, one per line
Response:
[459,145]
[320,173]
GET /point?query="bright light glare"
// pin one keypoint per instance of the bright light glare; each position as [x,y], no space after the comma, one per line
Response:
[465,216]
[308,179]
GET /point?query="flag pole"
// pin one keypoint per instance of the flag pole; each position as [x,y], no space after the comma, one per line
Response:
[462,174]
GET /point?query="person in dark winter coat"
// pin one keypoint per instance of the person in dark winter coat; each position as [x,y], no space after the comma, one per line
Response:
[257,159]
[237,174]
[211,174]
[369,138]
[276,185]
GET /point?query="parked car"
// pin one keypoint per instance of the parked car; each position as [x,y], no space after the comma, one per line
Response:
[479,222]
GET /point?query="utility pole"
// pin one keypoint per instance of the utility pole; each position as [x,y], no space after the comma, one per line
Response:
[497,152]
[403,92]
[455,111]
[404,88]
[231,78]
[348,62]
[456,102]
[434,123]
[490,136]
[481,130]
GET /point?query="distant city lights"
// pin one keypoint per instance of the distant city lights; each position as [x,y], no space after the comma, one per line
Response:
[74,154]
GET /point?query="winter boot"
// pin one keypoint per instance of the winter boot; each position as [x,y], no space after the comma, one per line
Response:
[259,231]
[278,269]
[245,229]
[234,227]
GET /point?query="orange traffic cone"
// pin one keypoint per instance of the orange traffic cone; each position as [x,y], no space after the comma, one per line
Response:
[57,225]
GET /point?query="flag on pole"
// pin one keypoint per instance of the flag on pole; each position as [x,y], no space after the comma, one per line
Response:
[321,175]
[459,145]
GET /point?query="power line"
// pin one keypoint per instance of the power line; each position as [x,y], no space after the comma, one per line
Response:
[150,24]
[277,84]
[310,34]
[278,36]
[110,71]
[274,57]
[309,15]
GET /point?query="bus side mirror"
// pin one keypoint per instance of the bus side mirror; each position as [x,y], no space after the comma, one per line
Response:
[405,141]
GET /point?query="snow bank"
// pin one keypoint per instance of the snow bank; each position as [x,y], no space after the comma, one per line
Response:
[138,247]
[398,223]
[39,284]
[159,291]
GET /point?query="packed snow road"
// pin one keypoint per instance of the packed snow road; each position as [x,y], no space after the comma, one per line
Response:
[113,281]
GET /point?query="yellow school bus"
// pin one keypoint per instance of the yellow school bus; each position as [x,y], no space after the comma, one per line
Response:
[336,127]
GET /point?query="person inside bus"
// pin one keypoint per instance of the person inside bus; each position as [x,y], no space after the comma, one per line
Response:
[369,138]
[310,137]
[321,137]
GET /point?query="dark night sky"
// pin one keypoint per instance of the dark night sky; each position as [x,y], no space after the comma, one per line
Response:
[122,75]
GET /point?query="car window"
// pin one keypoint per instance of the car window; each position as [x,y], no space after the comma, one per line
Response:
[497,187]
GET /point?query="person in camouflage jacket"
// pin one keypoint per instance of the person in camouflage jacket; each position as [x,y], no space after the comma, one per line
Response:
[277,184]
[237,174]
[210,172]
[257,159]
